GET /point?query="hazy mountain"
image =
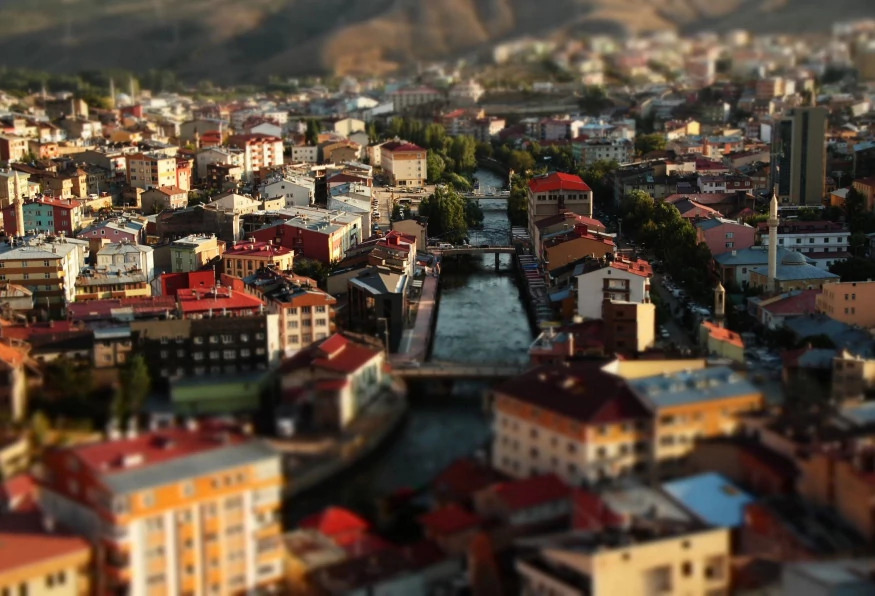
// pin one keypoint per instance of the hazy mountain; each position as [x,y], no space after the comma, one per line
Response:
[249,39]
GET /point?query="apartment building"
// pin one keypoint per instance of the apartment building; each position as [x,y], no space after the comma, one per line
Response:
[404,99]
[208,343]
[259,152]
[586,152]
[187,511]
[848,302]
[95,284]
[654,558]
[46,267]
[313,233]
[217,155]
[243,259]
[586,421]
[687,405]
[799,156]
[404,163]
[115,230]
[125,256]
[818,240]
[194,252]
[724,235]
[147,171]
[306,313]
[578,422]
[620,279]
[37,558]
[45,215]
[13,148]
[158,199]
[555,193]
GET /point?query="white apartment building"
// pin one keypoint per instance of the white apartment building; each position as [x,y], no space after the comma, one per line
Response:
[305,154]
[48,269]
[298,191]
[621,280]
[259,152]
[125,256]
[821,241]
[592,150]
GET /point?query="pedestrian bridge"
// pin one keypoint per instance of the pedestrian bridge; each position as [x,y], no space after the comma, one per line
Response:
[473,250]
[456,370]
[475,196]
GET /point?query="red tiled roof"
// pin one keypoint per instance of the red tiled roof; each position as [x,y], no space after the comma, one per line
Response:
[19,493]
[105,457]
[11,355]
[336,521]
[24,542]
[571,218]
[463,478]
[533,491]
[723,334]
[449,519]
[802,303]
[638,267]
[336,353]
[395,147]
[256,249]
[558,181]
[26,332]
[171,190]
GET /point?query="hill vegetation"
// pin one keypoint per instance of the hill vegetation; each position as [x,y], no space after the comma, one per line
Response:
[248,40]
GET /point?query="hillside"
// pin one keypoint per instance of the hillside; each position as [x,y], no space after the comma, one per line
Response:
[240,40]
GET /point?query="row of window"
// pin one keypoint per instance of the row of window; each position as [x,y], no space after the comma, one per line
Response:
[307,323]
[214,369]
[225,338]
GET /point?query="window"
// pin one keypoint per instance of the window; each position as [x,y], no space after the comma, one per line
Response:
[320,309]
[227,338]
[148,499]
[198,340]
[729,235]
[188,489]
[687,568]
[229,354]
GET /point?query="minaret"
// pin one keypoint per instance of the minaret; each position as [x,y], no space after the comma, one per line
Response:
[112,93]
[19,207]
[773,240]
[719,304]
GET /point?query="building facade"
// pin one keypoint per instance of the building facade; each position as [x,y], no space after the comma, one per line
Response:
[147,171]
[183,511]
[193,252]
[799,156]
[404,163]
[555,193]
[849,302]
[245,258]
[44,216]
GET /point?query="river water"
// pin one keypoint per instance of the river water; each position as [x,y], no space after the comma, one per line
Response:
[480,319]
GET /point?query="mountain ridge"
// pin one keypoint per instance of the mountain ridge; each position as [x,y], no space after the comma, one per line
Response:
[248,40]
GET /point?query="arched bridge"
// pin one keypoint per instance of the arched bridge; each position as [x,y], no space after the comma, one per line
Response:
[456,370]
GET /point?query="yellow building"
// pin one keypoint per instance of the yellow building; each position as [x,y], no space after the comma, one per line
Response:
[99,285]
[721,342]
[39,560]
[404,163]
[186,511]
[194,251]
[584,422]
[245,258]
[849,302]
[653,560]
[150,171]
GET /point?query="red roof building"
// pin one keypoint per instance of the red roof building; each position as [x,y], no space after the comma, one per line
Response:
[195,302]
[555,193]
[558,181]
[339,524]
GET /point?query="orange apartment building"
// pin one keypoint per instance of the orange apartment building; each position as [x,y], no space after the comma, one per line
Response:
[175,511]
[404,163]
[587,422]
[849,302]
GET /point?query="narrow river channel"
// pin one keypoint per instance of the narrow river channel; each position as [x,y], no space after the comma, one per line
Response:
[481,319]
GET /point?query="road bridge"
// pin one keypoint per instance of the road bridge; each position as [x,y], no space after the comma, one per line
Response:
[475,250]
[455,370]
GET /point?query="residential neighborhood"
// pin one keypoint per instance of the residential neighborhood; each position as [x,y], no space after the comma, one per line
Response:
[581,315]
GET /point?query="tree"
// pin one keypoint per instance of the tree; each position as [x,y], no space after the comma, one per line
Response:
[446,211]
[435,134]
[314,127]
[521,161]
[462,151]
[483,150]
[518,201]
[644,144]
[134,385]
[854,269]
[434,167]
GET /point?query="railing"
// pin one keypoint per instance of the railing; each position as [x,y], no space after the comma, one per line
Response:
[452,370]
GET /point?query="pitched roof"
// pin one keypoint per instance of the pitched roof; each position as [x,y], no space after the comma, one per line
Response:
[531,492]
[558,181]
[449,519]
[24,542]
[335,521]
[722,334]
[396,146]
[581,391]
[336,353]
[463,478]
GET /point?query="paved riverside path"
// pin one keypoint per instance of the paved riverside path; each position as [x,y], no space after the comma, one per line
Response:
[414,342]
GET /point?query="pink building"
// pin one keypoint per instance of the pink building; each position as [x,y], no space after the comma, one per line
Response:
[724,235]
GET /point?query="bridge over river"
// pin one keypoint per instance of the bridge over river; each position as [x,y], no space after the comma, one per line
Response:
[455,370]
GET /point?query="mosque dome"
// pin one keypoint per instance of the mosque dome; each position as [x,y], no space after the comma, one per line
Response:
[794,258]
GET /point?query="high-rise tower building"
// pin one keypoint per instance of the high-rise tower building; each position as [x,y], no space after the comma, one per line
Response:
[799,156]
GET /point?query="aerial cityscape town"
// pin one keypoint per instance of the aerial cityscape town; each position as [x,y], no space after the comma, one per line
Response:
[588,318]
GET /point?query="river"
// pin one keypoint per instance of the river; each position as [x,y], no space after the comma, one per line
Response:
[480,319]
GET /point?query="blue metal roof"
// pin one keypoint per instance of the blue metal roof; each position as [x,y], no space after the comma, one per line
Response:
[713,498]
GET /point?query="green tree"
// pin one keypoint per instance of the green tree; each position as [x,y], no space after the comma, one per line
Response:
[435,134]
[462,151]
[447,214]
[518,201]
[434,166]
[644,144]
[483,150]
[314,127]
[521,161]
[854,269]
[134,385]
[473,214]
